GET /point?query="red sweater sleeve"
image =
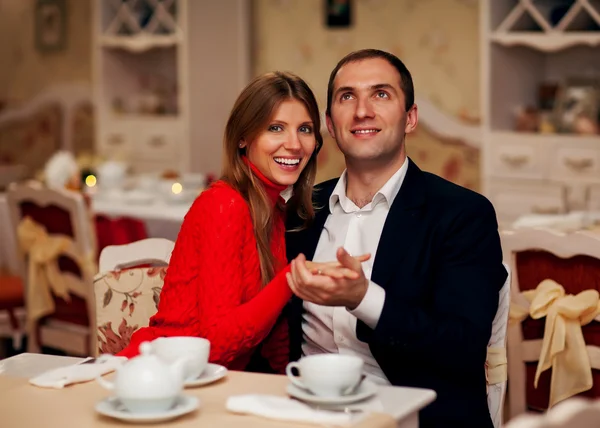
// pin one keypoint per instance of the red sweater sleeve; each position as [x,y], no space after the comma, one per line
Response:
[207,281]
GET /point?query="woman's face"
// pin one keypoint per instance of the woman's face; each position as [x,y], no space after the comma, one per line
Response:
[284,147]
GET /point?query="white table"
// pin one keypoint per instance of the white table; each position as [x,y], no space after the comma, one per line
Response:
[400,402]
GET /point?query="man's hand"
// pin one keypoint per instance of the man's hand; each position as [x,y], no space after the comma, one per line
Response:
[330,284]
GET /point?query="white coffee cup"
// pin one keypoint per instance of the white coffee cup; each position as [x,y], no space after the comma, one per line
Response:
[327,375]
[197,349]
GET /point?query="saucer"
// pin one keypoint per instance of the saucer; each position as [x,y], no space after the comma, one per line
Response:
[212,373]
[365,390]
[111,406]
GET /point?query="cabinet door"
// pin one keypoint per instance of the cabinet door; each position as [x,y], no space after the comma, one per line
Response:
[512,199]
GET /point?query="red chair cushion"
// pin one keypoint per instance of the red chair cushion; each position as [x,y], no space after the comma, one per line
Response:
[11,292]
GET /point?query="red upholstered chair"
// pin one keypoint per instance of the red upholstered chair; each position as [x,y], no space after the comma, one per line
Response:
[573,261]
[11,302]
[61,213]
[118,231]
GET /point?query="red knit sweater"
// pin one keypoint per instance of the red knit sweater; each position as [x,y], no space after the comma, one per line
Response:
[213,287]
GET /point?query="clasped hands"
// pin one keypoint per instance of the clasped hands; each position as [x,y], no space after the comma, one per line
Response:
[338,283]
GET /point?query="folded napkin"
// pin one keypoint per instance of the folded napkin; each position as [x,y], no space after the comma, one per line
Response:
[284,409]
[82,372]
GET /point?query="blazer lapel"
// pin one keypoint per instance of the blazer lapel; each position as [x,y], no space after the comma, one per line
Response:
[400,226]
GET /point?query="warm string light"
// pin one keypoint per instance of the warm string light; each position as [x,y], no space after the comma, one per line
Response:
[90,180]
[176,188]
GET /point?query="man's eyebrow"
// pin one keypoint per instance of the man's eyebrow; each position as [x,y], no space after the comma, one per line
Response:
[372,87]
[384,86]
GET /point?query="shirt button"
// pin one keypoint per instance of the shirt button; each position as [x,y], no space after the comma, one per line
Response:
[359,215]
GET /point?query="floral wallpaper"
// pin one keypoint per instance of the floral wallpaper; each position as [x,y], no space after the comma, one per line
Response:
[437,39]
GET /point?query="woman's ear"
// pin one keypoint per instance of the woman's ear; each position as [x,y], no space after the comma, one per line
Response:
[242,144]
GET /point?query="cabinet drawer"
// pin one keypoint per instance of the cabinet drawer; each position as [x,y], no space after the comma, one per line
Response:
[573,163]
[116,143]
[524,159]
[512,199]
[157,145]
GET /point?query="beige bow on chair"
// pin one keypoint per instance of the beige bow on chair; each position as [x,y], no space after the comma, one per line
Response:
[44,276]
[563,345]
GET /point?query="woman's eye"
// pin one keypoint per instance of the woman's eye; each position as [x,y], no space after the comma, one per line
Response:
[346,97]
[306,129]
[275,128]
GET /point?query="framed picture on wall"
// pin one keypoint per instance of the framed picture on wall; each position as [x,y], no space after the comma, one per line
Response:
[50,25]
[338,13]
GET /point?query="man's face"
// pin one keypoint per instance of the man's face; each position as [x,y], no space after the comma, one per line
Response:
[367,117]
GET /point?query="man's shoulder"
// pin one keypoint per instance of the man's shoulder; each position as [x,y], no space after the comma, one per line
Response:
[323,190]
[447,195]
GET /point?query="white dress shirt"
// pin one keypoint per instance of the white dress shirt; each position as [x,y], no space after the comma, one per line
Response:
[329,329]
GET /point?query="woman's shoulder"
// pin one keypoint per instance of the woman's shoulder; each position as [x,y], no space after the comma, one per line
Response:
[220,198]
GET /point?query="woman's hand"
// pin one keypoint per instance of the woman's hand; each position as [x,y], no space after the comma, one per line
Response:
[335,269]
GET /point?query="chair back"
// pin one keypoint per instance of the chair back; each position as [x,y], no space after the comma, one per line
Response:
[127,290]
[497,391]
[573,261]
[575,412]
[61,214]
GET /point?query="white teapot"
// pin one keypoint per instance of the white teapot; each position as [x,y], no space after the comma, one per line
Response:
[146,383]
[111,174]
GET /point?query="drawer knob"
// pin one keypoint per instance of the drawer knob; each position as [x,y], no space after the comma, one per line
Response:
[578,164]
[545,210]
[115,140]
[515,161]
[157,141]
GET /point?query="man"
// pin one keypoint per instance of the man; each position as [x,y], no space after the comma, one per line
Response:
[421,309]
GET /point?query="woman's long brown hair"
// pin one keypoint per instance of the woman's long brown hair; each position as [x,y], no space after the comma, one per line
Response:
[251,114]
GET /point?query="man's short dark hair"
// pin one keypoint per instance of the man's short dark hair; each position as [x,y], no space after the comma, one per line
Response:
[406,82]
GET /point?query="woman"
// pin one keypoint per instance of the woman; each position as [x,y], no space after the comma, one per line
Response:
[226,279]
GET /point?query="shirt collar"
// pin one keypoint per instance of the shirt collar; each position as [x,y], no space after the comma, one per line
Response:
[388,192]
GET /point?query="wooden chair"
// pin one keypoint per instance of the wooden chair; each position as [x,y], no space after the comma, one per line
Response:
[127,290]
[570,259]
[497,391]
[575,412]
[146,251]
[61,213]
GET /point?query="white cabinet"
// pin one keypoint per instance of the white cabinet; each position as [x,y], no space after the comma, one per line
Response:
[166,74]
[526,45]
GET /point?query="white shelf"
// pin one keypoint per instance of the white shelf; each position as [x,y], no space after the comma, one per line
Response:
[140,43]
[547,42]
[530,23]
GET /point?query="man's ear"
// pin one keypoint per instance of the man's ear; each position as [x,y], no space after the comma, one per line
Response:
[412,117]
[330,127]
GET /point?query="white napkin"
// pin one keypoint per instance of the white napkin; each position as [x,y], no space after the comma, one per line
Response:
[63,376]
[284,409]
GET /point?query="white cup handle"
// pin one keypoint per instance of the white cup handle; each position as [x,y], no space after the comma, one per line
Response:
[290,375]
